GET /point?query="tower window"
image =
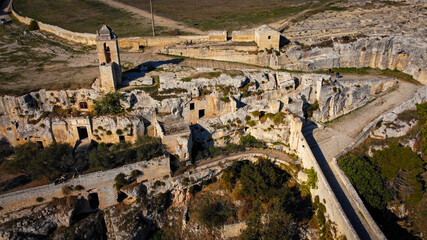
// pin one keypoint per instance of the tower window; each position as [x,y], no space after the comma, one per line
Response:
[191,106]
[269,37]
[107,53]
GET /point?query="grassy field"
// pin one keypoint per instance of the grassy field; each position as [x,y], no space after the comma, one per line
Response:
[226,14]
[85,16]
[31,61]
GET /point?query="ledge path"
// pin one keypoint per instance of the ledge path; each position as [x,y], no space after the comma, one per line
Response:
[326,143]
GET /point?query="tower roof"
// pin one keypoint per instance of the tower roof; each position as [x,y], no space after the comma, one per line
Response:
[105,33]
[266,27]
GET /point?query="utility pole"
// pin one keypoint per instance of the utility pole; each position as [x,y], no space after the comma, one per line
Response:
[152,17]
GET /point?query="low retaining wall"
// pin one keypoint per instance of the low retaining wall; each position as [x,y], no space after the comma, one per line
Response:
[83,38]
[130,42]
[333,208]
[161,41]
[410,104]
[101,182]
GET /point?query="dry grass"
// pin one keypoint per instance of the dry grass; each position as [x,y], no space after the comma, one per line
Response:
[31,62]
[225,14]
[84,16]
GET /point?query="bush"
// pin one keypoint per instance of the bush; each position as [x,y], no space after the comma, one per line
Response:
[119,132]
[120,181]
[212,211]
[313,107]
[262,180]
[53,161]
[251,141]
[109,104]
[79,188]
[135,173]
[66,190]
[368,182]
[34,25]
[148,147]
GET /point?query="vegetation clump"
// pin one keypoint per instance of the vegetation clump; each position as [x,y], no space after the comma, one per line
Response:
[271,195]
[52,162]
[104,157]
[109,104]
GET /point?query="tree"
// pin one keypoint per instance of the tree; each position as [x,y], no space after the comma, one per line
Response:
[25,155]
[109,104]
[261,180]
[366,179]
[251,141]
[148,147]
[253,229]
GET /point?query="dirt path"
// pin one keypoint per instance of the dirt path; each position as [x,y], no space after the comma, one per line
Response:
[341,132]
[158,20]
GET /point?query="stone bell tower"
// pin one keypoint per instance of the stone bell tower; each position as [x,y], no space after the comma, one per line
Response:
[109,59]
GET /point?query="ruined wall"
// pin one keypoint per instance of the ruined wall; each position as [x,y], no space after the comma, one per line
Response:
[101,182]
[83,38]
[208,107]
[261,59]
[243,36]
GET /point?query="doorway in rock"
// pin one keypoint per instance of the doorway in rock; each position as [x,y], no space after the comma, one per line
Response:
[122,139]
[82,132]
[93,200]
[201,113]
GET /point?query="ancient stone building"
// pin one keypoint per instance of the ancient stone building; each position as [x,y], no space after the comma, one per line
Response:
[109,59]
[267,37]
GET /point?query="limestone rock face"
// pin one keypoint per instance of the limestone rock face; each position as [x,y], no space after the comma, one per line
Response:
[404,53]
[43,219]
[126,224]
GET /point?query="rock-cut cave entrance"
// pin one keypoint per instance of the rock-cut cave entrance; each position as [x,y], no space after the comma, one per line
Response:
[93,200]
[82,132]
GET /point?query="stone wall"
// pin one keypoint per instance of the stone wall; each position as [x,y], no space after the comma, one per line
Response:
[243,36]
[83,38]
[334,210]
[101,182]
[410,104]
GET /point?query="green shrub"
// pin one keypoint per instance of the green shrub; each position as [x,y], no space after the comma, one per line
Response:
[313,107]
[66,190]
[34,25]
[120,181]
[53,161]
[366,179]
[78,188]
[251,141]
[119,132]
[212,211]
[109,104]
[135,173]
